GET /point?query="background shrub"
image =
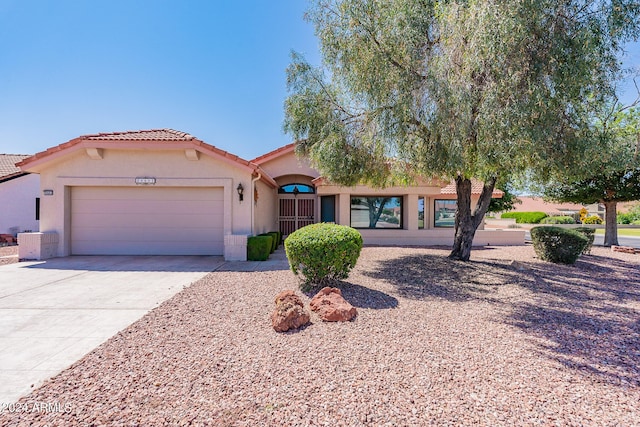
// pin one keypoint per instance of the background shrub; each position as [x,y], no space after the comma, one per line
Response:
[558,220]
[259,248]
[558,245]
[322,253]
[593,219]
[525,217]
[630,217]
[279,238]
[590,234]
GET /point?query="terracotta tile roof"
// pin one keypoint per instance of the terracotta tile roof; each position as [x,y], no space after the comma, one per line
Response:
[275,153]
[476,188]
[8,164]
[141,135]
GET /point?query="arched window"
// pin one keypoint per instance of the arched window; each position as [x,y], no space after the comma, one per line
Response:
[296,189]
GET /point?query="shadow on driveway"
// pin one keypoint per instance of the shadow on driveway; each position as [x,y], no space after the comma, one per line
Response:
[136,263]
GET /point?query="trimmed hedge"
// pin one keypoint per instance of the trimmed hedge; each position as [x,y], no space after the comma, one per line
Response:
[525,217]
[558,220]
[274,241]
[322,253]
[558,245]
[590,234]
[259,248]
[279,239]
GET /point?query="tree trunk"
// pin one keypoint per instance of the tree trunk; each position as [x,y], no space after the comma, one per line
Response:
[466,222]
[610,223]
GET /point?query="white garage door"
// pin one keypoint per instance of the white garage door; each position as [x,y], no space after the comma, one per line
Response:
[146,221]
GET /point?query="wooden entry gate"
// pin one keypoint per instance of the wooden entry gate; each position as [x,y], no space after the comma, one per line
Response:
[295,213]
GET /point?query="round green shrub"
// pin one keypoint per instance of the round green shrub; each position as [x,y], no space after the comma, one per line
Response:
[593,219]
[258,248]
[525,217]
[558,245]
[322,253]
[590,234]
[558,220]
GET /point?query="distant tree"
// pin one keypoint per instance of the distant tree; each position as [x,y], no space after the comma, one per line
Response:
[483,89]
[617,170]
[506,203]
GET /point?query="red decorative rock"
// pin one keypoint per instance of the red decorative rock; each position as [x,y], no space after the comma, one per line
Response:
[289,312]
[625,249]
[331,307]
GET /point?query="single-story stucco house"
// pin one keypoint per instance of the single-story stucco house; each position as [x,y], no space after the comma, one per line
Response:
[165,192]
[19,198]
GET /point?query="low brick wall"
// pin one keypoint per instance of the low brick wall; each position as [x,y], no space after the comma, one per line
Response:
[37,246]
[625,249]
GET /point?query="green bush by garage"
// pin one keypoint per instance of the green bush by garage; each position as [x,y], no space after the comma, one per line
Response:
[259,247]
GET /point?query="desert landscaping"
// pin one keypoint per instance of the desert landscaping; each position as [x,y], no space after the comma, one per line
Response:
[505,339]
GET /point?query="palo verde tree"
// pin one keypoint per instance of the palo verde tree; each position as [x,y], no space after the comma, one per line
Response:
[615,175]
[462,90]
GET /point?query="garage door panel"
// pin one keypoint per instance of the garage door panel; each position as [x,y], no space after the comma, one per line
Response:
[152,234]
[117,220]
[114,206]
[146,193]
[147,221]
[161,248]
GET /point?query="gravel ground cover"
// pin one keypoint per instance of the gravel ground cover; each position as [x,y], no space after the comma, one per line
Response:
[8,254]
[504,340]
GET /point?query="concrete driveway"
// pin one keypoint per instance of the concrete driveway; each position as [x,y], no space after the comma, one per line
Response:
[54,312]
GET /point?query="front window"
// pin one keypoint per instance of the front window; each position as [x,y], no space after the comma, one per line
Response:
[445,213]
[296,189]
[420,213]
[376,212]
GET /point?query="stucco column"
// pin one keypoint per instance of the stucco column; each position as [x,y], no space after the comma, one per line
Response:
[410,213]
[344,209]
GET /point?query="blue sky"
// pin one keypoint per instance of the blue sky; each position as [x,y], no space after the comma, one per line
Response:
[215,69]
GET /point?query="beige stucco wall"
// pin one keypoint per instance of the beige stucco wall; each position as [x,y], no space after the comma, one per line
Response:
[18,204]
[288,164]
[265,209]
[120,167]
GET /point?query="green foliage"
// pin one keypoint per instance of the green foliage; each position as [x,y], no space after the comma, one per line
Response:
[279,237]
[558,220]
[558,245]
[273,246]
[259,247]
[593,219]
[630,217]
[506,203]
[622,185]
[322,253]
[525,217]
[474,89]
[590,234]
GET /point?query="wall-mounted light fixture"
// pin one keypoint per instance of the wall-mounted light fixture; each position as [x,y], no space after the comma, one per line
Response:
[47,192]
[145,180]
[240,191]
[296,191]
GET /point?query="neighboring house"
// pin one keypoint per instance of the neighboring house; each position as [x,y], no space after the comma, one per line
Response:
[537,204]
[166,192]
[19,197]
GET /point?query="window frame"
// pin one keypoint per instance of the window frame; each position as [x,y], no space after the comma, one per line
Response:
[400,204]
[435,212]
